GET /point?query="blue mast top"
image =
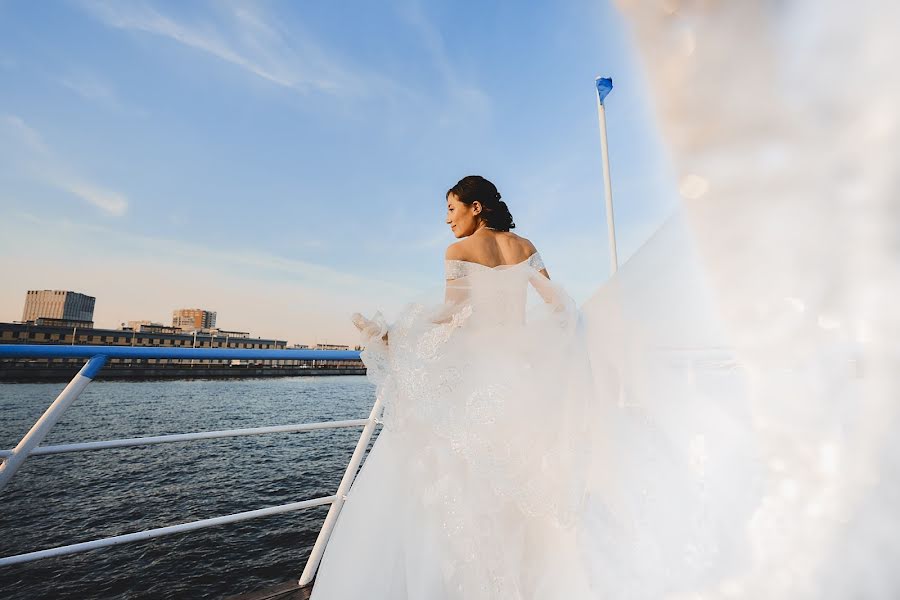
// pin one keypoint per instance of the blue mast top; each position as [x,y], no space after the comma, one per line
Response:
[604,87]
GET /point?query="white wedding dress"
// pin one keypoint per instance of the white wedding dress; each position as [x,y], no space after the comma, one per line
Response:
[475,483]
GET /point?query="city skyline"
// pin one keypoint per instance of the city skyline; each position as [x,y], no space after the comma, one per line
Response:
[275,159]
[201,320]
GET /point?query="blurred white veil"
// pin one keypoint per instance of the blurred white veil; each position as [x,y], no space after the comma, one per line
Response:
[752,343]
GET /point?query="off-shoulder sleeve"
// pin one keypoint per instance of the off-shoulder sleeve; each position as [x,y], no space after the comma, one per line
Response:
[535,261]
[454,269]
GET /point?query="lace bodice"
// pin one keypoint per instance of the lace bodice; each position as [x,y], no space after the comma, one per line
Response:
[496,296]
[454,269]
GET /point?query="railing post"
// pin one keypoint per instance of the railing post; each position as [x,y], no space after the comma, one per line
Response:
[312,563]
[42,427]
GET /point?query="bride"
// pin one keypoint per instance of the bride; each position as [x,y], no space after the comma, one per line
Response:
[475,484]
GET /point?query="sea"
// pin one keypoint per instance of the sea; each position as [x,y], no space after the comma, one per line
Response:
[68,498]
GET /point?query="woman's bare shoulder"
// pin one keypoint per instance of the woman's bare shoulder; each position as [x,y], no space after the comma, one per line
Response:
[526,244]
[456,251]
[486,250]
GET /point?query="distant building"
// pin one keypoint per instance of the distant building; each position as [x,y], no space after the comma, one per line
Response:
[144,325]
[59,305]
[193,319]
[30,333]
[45,322]
[158,328]
[226,333]
[331,347]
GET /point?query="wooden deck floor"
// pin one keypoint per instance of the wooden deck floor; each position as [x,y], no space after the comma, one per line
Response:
[284,591]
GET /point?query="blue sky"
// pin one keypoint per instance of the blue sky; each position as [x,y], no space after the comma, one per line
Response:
[285,163]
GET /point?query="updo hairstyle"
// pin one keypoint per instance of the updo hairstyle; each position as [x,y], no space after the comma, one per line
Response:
[495,213]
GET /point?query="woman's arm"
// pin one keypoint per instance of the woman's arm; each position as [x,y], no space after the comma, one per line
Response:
[368,327]
[541,282]
[456,287]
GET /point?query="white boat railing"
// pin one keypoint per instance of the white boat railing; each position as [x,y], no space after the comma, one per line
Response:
[97,356]
[187,437]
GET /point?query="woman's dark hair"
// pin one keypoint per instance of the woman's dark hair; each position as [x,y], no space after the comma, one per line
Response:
[495,212]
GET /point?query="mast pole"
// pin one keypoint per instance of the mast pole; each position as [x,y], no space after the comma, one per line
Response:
[604,87]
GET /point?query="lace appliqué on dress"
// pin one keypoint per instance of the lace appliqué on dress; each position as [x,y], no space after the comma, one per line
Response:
[454,269]
[432,340]
[535,261]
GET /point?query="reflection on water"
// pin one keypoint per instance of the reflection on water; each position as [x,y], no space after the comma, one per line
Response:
[63,499]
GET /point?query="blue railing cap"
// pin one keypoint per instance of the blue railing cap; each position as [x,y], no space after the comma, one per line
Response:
[87,351]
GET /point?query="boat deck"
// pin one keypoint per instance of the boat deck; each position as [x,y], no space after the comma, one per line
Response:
[283,591]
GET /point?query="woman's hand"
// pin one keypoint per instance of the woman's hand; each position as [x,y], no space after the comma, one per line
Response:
[368,327]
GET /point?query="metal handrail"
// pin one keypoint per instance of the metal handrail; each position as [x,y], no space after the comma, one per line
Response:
[149,534]
[188,437]
[97,357]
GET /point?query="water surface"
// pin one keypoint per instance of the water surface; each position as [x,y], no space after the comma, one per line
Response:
[62,499]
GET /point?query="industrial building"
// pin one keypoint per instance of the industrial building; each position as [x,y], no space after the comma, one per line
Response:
[193,319]
[60,306]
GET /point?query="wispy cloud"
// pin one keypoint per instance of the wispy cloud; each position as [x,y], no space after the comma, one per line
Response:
[241,36]
[42,164]
[261,264]
[30,138]
[96,90]
[465,93]
[282,52]
[264,292]
[110,202]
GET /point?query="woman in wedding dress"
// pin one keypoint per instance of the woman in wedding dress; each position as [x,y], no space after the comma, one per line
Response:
[474,486]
